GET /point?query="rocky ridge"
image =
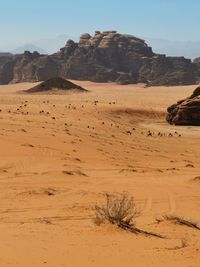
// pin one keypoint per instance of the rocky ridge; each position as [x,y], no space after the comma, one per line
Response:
[105,57]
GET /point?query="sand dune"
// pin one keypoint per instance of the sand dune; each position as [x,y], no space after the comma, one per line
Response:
[60,153]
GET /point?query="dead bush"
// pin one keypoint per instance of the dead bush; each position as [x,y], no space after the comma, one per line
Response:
[120,209]
[117,209]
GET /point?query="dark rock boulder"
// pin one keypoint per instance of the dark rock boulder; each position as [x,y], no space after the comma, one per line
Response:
[186,112]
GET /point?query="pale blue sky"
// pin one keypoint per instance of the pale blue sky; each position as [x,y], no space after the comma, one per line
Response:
[22,21]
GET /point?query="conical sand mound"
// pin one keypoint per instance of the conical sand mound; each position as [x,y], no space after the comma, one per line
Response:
[55,84]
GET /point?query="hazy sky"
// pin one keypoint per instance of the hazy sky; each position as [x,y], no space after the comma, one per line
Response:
[22,21]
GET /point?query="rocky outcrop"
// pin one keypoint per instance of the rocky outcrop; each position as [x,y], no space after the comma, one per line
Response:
[28,67]
[7,64]
[31,67]
[110,56]
[197,64]
[55,83]
[186,112]
[105,57]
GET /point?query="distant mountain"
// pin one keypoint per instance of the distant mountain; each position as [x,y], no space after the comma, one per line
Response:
[5,54]
[45,46]
[187,49]
[53,45]
[28,47]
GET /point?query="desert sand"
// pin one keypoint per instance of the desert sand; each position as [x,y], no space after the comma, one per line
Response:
[61,153]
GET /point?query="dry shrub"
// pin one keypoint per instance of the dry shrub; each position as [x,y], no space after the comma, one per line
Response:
[120,210]
[117,209]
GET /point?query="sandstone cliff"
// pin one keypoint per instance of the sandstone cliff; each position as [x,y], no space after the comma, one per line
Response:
[104,57]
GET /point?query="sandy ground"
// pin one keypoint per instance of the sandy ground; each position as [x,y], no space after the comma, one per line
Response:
[57,161]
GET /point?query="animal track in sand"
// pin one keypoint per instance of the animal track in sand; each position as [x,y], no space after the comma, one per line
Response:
[40,192]
[4,169]
[148,204]
[24,174]
[130,170]
[27,145]
[189,166]
[76,172]
[195,179]
[48,151]
[22,130]
[172,203]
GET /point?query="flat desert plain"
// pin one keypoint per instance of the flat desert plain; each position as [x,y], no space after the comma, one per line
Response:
[60,154]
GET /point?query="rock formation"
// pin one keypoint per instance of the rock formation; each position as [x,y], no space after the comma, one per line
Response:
[197,64]
[28,67]
[105,57]
[55,83]
[186,112]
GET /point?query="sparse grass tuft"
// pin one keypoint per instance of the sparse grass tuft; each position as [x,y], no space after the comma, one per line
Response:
[120,210]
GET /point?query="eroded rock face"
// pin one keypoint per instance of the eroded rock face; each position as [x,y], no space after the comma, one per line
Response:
[7,64]
[186,112]
[197,64]
[105,57]
[27,67]
[31,67]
